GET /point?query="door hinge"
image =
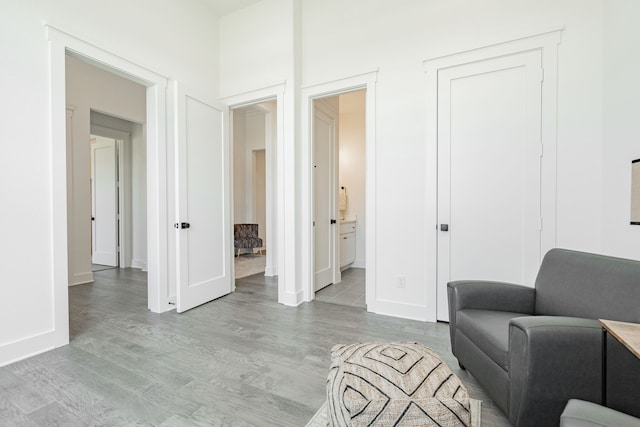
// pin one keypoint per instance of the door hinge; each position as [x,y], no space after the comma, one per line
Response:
[541,224]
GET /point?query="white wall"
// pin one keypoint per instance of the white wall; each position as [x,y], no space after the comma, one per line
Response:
[351,171]
[89,88]
[394,38]
[256,47]
[621,135]
[167,37]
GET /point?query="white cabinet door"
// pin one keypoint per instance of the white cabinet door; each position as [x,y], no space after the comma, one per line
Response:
[347,249]
[203,244]
[489,160]
[104,202]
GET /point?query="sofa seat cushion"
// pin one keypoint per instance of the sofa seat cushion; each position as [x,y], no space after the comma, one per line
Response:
[489,330]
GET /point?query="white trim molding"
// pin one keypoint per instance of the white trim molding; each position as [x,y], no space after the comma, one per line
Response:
[81,278]
[547,43]
[30,346]
[366,81]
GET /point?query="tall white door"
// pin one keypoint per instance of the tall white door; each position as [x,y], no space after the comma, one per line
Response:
[489,160]
[203,227]
[104,201]
[324,198]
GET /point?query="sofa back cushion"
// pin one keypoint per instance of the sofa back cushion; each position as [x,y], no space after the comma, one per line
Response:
[579,284]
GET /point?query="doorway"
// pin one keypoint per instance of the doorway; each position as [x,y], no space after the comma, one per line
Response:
[339,198]
[254,136]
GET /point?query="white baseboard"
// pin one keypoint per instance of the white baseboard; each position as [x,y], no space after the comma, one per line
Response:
[81,278]
[139,263]
[359,263]
[401,310]
[27,347]
[292,299]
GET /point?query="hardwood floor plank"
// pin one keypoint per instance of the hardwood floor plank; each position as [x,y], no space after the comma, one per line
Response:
[11,415]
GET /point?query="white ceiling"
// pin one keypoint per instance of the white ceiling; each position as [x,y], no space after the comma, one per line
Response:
[223,7]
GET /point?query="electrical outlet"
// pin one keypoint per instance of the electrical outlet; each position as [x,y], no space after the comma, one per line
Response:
[402,281]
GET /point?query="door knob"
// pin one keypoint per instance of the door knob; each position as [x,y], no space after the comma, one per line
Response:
[444,227]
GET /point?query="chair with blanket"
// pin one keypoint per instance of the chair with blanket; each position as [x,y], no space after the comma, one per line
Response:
[245,236]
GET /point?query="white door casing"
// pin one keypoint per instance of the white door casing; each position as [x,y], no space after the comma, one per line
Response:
[324,198]
[104,202]
[276,184]
[489,171]
[203,212]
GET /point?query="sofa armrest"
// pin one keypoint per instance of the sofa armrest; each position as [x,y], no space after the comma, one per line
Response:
[552,359]
[487,295]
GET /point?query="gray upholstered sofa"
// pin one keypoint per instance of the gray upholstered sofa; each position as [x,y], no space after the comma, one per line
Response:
[534,349]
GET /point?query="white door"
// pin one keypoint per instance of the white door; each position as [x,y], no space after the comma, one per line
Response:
[203,227]
[489,158]
[324,198]
[104,202]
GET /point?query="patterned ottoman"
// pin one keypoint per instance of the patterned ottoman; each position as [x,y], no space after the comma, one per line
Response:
[393,384]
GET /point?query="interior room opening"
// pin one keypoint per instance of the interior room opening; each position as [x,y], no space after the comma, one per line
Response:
[339,187]
[254,133]
[106,189]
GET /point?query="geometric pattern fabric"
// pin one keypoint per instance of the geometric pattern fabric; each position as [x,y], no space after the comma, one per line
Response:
[393,384]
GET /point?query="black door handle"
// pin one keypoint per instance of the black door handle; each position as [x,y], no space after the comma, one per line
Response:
[444,227]
[333,221]
[182,225]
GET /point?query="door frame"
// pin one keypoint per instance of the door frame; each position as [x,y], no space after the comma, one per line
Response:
[157,280]
[548,44]
[123,139]
[365,81]
[276,221]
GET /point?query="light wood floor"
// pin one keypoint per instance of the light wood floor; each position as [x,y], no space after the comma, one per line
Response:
[238,361]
